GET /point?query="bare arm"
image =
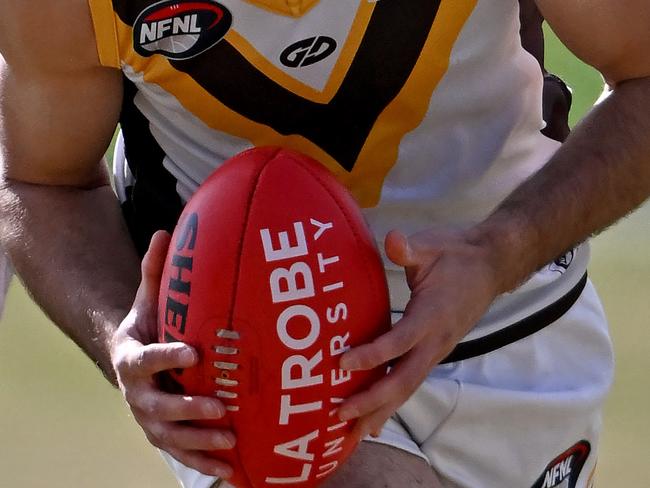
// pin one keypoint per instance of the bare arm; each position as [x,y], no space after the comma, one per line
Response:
[61,223]
[72,260]
[62,226]
[601,173]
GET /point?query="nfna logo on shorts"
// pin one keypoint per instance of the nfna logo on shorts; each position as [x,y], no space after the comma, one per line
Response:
[564,470]
[180,29]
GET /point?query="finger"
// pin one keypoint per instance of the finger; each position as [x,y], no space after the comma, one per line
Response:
[202,463]
[135,360]
[150,403]
[373,423]
[391,345]
[417,321]
[186,437]
[394,389]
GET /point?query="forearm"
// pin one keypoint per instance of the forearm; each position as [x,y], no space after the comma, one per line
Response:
[599,175]
[71,249]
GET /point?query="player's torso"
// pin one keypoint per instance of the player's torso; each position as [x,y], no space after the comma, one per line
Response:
[428,110]
[422,94]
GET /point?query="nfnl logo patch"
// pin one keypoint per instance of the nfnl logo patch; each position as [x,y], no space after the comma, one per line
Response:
[180,29]
[564,470]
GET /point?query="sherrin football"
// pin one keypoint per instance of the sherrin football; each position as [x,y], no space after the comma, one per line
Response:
[271,275]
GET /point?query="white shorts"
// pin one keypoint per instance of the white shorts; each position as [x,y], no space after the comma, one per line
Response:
[190,478]
[527,414]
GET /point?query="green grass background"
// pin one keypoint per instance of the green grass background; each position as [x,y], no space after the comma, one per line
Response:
[61,425]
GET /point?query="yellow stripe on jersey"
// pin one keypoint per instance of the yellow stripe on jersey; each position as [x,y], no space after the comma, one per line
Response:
[342,66]
[294,8]
[103,18]
[380,151]
[409,108]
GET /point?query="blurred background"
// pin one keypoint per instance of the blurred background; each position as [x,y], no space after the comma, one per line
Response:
[62,425]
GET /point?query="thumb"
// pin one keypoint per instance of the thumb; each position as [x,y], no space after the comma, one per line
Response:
[152,270]
[398,249]
[139,326]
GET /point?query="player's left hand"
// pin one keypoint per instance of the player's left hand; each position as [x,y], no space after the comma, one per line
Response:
[452,285]
[138,359]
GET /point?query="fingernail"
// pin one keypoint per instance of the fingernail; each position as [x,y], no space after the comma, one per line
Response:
[408,251]
[348,364]
[224,441]
[231,440]
[348,413]
[214,410]
[223,472]
[187,356]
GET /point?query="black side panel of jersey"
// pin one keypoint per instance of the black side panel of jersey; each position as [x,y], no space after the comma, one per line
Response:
[557,97]
[152,203]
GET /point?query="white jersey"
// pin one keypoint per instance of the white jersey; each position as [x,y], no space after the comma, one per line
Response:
[429,111]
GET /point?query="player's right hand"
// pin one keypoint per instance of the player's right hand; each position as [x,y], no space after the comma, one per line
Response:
[137,360]
[453,281]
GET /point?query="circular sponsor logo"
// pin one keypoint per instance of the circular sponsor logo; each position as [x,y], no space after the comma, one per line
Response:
[180,29]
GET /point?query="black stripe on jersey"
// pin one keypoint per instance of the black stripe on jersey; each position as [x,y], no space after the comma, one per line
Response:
[386,57]
[152,203]
[519,330]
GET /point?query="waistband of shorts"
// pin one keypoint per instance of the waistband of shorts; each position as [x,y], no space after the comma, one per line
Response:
[518,330]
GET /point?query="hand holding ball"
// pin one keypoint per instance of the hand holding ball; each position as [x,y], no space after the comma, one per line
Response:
[271,275]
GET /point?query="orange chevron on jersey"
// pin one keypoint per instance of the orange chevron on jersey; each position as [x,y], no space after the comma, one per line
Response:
[336,77]
[355,135]
[428,110]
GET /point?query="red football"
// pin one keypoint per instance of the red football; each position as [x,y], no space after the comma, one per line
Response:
[271,275]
